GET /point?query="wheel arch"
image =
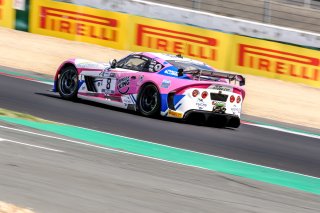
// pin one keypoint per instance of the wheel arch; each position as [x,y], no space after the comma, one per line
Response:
[140,89]
[147,83]
[62,66]
[61,82]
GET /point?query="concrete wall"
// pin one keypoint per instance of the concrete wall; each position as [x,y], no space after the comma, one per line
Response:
[299,14]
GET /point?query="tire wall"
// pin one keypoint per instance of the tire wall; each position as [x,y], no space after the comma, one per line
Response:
[222,50]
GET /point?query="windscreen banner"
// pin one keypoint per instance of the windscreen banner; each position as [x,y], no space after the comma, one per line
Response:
[79,23]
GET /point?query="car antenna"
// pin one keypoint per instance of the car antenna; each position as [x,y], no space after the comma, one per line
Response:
[179,55]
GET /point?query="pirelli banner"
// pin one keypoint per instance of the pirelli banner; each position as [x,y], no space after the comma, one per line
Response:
[154,35]
[123,31]
[275,60]
[78,23]
[7,14]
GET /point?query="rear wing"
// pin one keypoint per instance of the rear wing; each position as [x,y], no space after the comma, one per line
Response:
[213,75]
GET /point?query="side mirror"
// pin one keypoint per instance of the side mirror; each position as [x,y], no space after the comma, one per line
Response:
[113,63]
[180,72]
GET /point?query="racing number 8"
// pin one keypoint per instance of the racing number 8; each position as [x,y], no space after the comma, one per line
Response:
[108,83]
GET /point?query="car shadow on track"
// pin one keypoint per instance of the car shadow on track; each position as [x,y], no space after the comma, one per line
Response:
[198,121]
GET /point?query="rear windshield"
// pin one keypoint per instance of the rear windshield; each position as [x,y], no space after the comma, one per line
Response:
[189,65]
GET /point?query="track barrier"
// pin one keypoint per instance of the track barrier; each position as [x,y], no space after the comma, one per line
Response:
[135,33]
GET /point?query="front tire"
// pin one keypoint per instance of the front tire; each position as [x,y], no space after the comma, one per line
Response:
[149,101]
[68,83]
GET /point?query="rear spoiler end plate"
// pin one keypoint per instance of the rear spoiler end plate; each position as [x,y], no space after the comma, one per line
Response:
[197,74]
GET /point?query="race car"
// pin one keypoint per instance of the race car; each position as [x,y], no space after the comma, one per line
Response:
[156,84]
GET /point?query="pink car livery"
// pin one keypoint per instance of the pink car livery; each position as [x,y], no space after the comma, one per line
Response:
[156,83]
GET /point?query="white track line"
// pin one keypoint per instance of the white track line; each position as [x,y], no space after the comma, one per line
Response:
[26,144]
[44,82]
[159,159]
[310,135]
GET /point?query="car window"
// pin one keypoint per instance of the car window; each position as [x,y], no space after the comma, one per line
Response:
[121,62]
[134,62]
[189,65]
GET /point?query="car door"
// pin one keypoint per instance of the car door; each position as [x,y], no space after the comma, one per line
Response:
[125,77]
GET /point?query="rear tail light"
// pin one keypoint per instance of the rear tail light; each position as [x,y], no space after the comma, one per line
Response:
[238,99]
[204,94]
[232,98]
[195,93]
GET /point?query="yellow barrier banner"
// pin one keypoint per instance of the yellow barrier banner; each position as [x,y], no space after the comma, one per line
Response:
[78,23]
[159,36]
[7,14]
[275,60]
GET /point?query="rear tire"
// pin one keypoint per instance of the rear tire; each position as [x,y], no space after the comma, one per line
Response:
[149,101]
[67,85]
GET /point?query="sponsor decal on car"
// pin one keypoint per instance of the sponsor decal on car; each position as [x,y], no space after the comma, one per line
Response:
[108,74]
[218,106]
[157,67]
[140,80]
[90,65]
[221,88]
[98,82]
[175,114]
[235,109]
[123,85]
[201,104]
[165,83]
[218,103]
[127,99]
[109,82]
[171,72]
[152,64]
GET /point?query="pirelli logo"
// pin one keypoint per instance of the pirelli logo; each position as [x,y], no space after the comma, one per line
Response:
[75,23]
[280,62]
[176,42]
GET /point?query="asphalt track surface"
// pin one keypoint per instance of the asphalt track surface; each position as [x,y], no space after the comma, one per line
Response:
[248,143]
[53,175]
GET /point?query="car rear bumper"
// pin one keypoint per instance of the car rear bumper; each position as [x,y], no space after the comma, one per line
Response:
[212,118]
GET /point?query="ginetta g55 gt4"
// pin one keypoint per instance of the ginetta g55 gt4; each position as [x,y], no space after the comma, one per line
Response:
[156,83]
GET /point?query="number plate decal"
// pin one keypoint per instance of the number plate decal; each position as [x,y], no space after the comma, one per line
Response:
[110,84]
